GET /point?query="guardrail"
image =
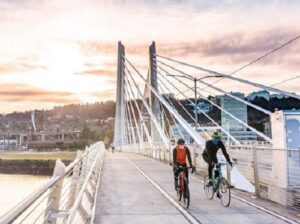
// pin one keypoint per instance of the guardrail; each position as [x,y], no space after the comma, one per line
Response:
[68,197]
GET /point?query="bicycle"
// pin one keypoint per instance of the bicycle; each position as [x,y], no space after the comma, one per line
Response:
[183,186]
[218,185]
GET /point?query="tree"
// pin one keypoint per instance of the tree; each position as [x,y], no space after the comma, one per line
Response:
[86,133]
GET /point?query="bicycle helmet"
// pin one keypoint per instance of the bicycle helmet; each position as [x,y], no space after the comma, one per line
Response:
[216,135]
[180,141]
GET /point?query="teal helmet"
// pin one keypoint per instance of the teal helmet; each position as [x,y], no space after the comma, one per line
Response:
[216,135]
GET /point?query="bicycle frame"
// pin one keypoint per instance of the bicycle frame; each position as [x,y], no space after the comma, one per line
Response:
[181,177]
[183,188]
[216,181]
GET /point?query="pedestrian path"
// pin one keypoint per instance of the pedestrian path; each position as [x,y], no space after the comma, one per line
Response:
[136,189]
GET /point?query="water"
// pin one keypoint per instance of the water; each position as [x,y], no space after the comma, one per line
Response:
[14,188]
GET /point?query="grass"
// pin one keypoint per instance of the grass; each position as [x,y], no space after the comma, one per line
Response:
[63,155]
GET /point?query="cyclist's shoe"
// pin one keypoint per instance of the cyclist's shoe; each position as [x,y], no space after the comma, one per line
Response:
[210,183]
[218,195]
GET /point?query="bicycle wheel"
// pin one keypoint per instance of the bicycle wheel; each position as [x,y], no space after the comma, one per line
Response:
[209,189]
[225,194]
[186,194]
[179,189]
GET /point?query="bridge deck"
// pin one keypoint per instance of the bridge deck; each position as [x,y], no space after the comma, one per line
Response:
[127,196]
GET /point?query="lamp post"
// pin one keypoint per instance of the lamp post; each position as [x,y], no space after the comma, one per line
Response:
[195,80]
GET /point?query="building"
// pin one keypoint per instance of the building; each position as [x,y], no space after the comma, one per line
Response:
[204,106]
[263,94]
[278,96]
[236,108]
[239,110]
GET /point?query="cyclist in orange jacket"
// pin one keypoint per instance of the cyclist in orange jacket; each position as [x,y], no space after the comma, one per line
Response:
[180,153]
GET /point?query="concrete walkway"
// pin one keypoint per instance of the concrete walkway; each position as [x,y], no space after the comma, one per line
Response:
[127,196]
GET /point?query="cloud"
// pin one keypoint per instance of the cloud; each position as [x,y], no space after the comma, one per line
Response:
[96,47]
[51,44]
[92,48]
[97,72]
[6,69]
[21,66]
[230,45]
[109,94]
[19,93]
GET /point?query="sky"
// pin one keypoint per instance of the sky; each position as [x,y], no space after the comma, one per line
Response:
[59,52]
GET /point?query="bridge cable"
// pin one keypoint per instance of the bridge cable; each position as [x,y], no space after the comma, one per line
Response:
[222,91]
[140,114]
[141,117]
[128,137]
[183,106]
[134,117]
[261,57]
[168,121]
[153,118]
[174,121]
[218,74]
[253,61]
[228,113]
[183,122]
[148,109]
[175,87]
[213,121]
[130,121]
[130,118]
[178,101]
[286,80]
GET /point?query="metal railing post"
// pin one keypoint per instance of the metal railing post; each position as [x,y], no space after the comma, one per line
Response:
[54,196]
[74,181]
[255,170]
[194,155]
[84,166]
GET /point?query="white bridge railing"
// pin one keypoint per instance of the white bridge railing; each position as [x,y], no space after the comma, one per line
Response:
[68,197]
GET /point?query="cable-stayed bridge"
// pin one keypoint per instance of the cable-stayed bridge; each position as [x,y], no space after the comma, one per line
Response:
[153,110]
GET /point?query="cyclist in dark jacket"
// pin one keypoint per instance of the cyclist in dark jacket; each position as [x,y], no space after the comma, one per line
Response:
[180,153]
[210,153]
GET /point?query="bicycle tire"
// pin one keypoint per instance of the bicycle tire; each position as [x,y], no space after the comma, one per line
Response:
[225,193]
[179,189]
[186,195]
[209,190]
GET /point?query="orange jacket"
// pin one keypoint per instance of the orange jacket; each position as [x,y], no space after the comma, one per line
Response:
[180,155]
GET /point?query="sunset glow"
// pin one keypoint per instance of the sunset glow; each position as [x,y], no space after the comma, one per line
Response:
[60,52]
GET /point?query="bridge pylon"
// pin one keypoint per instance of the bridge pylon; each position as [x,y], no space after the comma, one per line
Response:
[154,103]
[120,127]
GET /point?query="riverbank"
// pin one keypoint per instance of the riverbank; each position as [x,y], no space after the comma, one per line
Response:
[32,163]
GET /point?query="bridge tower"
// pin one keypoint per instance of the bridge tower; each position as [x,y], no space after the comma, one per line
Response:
[119,137]
[154,104]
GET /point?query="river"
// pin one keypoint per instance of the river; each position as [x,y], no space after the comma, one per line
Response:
[14,188]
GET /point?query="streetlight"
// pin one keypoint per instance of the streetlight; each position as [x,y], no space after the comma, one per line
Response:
[189,77]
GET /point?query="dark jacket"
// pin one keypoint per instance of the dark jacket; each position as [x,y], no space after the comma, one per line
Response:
[188,154]
[211,150]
